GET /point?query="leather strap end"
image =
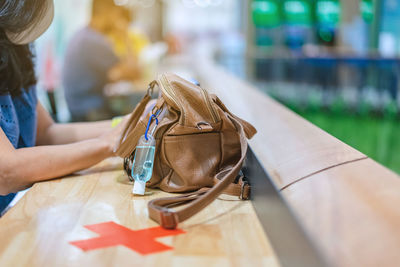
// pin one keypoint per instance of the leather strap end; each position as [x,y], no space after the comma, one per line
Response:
[168,219]
[165,217]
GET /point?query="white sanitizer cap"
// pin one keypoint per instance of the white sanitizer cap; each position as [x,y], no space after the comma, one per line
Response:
[139,188]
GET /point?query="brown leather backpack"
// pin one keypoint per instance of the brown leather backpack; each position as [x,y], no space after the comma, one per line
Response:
[200,148]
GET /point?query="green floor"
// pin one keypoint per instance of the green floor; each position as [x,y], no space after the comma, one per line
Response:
[377,136]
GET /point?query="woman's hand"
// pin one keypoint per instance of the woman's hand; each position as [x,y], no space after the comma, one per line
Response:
[111,138]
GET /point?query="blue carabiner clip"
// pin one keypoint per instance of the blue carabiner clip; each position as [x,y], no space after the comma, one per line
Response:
[154,116]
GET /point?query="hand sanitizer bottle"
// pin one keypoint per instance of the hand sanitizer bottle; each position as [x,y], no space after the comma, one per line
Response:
[143,163]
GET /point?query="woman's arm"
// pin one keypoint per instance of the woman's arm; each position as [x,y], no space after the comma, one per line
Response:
[20,168]
[51,133]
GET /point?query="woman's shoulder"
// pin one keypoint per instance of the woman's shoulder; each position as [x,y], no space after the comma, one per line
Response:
[28,92]
[18,117]
[11,104]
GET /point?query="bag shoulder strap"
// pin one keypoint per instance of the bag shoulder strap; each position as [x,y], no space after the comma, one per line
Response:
[127,136]
[135,128]
[160,209]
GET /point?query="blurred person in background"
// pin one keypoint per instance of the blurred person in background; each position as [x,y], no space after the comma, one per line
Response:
[32,147]
[99,54]
[127,42]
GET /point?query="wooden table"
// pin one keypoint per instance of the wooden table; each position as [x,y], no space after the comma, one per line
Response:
[37,231]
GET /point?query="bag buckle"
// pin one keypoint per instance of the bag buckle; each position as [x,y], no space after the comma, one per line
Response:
[150,89]
[242,196]
[156,111]
[128,161]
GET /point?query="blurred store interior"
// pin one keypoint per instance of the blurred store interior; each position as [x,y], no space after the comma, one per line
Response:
[336,63]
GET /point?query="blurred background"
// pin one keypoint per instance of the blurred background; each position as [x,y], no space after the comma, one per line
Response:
[336,63]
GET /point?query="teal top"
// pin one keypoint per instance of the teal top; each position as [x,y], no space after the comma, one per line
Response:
[18,121]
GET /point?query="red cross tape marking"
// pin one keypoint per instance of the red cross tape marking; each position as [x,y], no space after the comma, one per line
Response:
[112,234]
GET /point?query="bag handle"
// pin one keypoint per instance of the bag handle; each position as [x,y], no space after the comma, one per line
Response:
[134,128]
[160,209]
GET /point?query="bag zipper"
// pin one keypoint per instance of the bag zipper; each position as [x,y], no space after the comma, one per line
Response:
[170,92]
[210,107]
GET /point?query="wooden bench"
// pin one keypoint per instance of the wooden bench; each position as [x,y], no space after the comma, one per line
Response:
[347,203]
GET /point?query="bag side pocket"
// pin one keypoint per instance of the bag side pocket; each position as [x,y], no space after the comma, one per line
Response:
[194,160]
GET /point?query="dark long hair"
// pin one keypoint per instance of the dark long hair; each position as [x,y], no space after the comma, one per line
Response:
[16,61]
